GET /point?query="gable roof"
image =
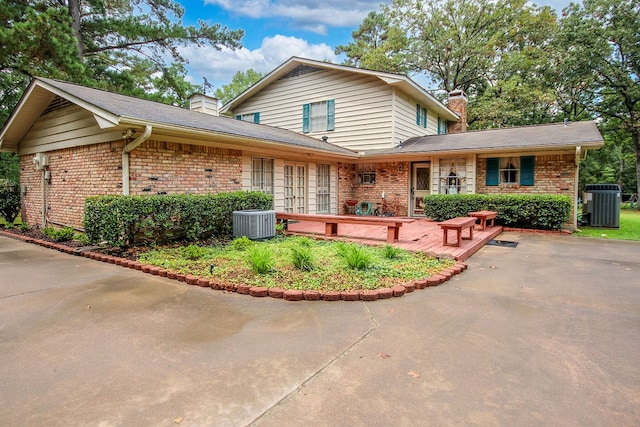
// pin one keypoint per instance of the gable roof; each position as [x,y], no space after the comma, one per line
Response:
[396,80]
[547,137]
[111,109]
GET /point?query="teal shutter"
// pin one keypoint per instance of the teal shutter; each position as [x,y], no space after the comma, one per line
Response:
[256,118]
[306,112]
[331,114]
[425,118]
[493,171]
[439,124]
[527,166]
[238,117]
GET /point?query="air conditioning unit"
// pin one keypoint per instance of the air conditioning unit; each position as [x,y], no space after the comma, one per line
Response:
[255,224]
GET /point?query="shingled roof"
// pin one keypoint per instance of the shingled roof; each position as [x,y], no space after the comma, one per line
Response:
[555,136]
[128,109]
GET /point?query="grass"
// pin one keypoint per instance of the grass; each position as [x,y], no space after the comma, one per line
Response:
[629,228]
[329,268]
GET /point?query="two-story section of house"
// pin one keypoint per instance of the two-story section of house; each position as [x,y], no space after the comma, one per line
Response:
[358,109]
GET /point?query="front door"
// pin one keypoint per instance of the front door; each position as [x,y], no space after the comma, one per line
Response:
[295,188]
[420,177]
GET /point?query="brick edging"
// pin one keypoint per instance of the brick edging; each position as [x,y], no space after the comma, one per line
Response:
[255,291]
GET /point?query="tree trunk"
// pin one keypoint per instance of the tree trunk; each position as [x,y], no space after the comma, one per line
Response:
[74,11]
[635,137]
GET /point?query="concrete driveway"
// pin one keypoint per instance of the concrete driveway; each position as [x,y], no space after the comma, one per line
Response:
[547,333]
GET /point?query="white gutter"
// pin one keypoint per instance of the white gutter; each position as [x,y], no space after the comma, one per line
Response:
[125,157]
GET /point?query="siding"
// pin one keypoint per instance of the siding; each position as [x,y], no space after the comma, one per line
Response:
[405,119]
[65,128]
[363,105]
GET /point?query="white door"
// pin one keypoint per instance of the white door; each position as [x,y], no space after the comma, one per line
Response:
[295,188]
[420,177]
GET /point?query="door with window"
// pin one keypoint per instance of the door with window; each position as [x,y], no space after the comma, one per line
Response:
[420,177]
[295,188]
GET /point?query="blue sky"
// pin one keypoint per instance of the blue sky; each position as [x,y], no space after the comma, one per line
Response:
[275,30]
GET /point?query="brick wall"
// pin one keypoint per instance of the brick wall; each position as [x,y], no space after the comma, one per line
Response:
[155,167]
[392,178]
[165,167]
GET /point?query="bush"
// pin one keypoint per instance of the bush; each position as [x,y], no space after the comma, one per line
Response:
[9,199]
[59,234]
[302,257]
[541,211]
[355,256]
[260,259]
[241,243]
[193,252]
[128,220]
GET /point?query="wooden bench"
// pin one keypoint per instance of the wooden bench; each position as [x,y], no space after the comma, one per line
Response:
[484,216]
[331,222]
[457,224]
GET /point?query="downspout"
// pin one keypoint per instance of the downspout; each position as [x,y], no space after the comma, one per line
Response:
[125,157]
[575,185]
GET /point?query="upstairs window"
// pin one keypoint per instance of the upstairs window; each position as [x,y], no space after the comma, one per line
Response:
[443,126]
[250,117]
[421,116]
[318,116]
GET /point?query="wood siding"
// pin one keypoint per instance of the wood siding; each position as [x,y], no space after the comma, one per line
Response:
[363,107]
[65,128]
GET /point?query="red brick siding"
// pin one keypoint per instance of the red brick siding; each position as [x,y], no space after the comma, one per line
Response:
[79,172]
[392,178]
[157,167]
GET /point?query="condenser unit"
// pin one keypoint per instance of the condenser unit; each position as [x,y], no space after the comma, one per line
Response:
[255,224]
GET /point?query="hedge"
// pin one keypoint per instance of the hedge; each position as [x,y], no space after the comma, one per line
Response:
[125,221]
[9,199]
[539,211]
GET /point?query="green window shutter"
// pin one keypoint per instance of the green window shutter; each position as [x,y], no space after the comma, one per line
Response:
[439,126]
[331,114]
[306,112]
[425,118]
[256,118]
[239,117]
[493,171]
[418,111]
[527,166]
[446,127]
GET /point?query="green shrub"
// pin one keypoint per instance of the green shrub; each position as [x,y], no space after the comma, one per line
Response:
[193,252]
[302,257]
[391,252]
[9,200]
[355,256]
[260,259]
[241,243]
[128,220]
[59,234]
[541,211]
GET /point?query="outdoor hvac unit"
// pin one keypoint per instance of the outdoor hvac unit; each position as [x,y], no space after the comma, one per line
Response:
[255,224]
[601,205]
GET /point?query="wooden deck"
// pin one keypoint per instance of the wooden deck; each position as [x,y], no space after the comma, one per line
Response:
[419,235]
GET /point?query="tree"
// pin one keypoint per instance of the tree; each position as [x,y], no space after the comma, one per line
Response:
[239,83]
[377,46]
[122,46]
[602,40]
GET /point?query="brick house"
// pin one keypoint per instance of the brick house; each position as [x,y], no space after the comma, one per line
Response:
[312,134]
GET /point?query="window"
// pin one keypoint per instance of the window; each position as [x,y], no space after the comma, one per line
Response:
[421,116]
[510,170]
[262,175]
[453,176]
[318,116]
[323,189]
[250,117]
[443,126]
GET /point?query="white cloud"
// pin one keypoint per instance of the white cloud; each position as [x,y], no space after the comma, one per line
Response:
[220,66]
[310,15]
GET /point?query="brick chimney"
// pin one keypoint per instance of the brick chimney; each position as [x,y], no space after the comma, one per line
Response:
[203,104]
[458,104]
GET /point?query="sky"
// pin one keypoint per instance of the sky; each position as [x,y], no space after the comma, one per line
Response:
[275,30]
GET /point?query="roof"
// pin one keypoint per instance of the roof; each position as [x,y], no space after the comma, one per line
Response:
[397,80]
[111,109]
[555,136]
